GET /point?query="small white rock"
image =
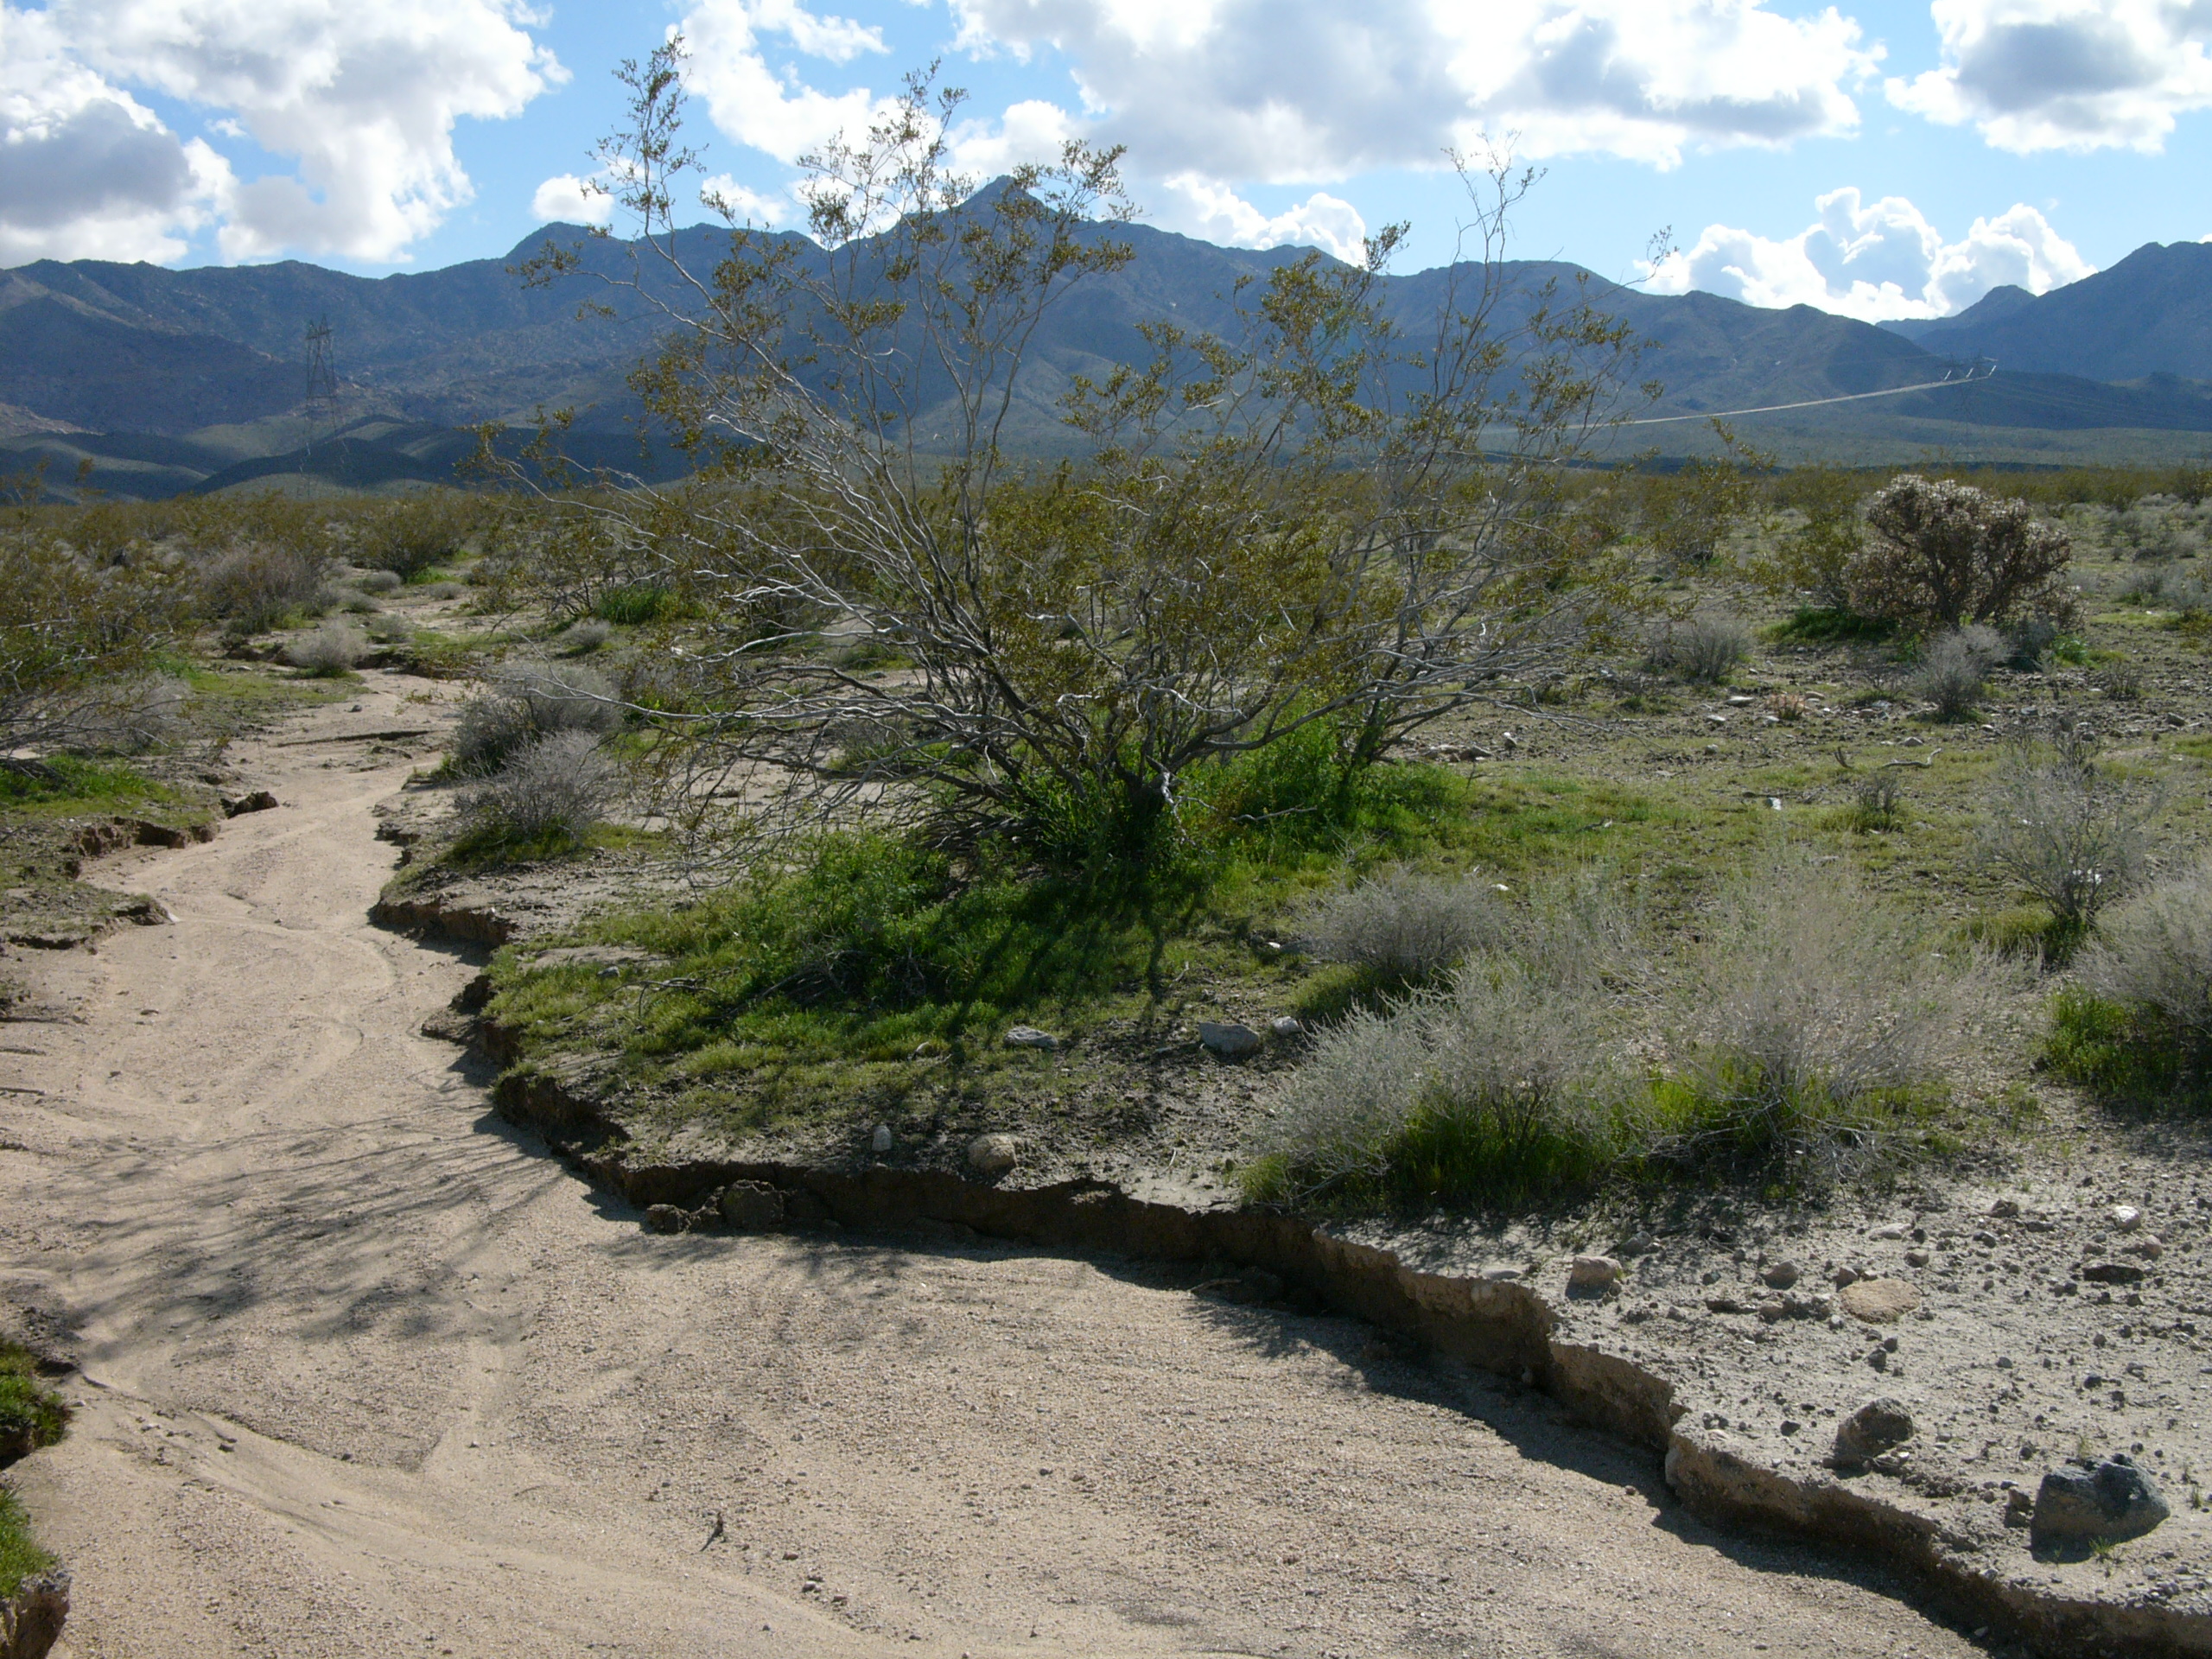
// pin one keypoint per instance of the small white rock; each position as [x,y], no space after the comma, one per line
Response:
[1231,1042]
[1889,1230]
[1593,1273]
[881,1139]
[1030,1036]
[2127,1217]
[1283,1026]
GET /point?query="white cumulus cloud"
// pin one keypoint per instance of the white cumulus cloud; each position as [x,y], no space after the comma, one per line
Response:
[1286,91]
[1219,215]
[86,171]
[1874,261]
[760,105]
[2066,74]
[571,200]
[362,99]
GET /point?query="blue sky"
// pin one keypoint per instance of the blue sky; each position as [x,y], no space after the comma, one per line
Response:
[1986,140]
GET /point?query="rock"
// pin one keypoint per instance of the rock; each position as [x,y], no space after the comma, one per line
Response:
[1636,1245]
[1030,1036]
[2127,1217]
[1917,1258]
[880,1141]
[1231,1042]
[31,1620]
[238,805]
[2150,1247]
[2112,1273]
[666,1218]
[2004,1208]
[1781,1274]
[1889,1230]
[1593,1275]
[1878,1302]
[1283,1026]
[1843,1276]
[1879,1425]
[1774,1310]
[994,1155]
[2110,1499]
[1724,1304]
[752,1206]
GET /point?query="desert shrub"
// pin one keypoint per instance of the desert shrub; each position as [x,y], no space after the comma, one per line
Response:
[1939,555]
[1812,1026]
[583,638]
[419,532]
[2139,1020]
[2029,640]
[1876,805]
[1954,670]
[2060,829]
[1405,929]
[530,700]
[20,1556]
[76,635]
[333,649]
[378,581]
[545,797]
[2176,587]
[2121,682]
[635,604]
[1510,1080]
[1705,649]
[255,586]
[389,630]
[31,1413]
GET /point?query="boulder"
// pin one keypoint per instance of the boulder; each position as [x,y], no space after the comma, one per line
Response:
[2082,1501]
[752,1206]
[1231,1042]
[238,805]
[994,1155]
[1879,1425]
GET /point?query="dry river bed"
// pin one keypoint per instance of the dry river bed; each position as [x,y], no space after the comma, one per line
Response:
[364,1372]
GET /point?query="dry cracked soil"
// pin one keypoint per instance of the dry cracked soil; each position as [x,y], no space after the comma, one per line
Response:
[363,1371]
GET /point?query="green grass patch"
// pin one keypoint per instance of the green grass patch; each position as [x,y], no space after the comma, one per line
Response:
[1812,626]
[20,1556]
[2123,1054]
[30,1411]
[67,785]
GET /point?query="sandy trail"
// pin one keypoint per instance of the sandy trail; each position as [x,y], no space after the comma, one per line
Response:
[365,1373]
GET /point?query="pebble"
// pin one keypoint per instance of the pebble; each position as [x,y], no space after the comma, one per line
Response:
[1030,1036]
[2127,1217]
[1284,1026]
[2112,1273]
[880,1141]
[1916,1258]
[1781,1274]
[994,1155]
[2004,1208]
[1888,1230]
[1593,1275]
[2150,1247]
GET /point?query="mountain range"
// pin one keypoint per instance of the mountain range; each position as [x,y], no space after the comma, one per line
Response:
[196,379]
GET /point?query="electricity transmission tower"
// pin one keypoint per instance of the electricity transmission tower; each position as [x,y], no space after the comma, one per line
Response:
[321,404]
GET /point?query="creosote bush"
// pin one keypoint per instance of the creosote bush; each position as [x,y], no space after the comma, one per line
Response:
[1704,649]
[256,586]
[546,797]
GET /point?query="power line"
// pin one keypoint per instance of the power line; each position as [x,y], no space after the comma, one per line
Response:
[1970,378]
[321,406]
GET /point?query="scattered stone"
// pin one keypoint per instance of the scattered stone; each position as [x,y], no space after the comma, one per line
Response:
[2112,1273]
[1593,1275]
[1231,1042]
[1283,1026]
[2127,1217]
[1781,1274]
[1879,1425]
[1030,1036]
[994,1155]
[752,1206]
[238,805]
[1888,1230]
[1878,1301]
[1917,1258]
[2081,1502]
[1774,1310]
[1636,1245]
[2150,1247]
[666,1218]
[1724,1304]
[880,1141]
[1843,1276]
[2004,1208]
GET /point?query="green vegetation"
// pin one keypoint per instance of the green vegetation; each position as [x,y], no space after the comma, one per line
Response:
[20,1556]
[31,1415]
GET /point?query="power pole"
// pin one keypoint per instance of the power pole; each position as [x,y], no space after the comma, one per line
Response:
[321,404]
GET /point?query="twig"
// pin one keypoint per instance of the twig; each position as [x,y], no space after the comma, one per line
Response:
[719,1532]
[1929,761]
